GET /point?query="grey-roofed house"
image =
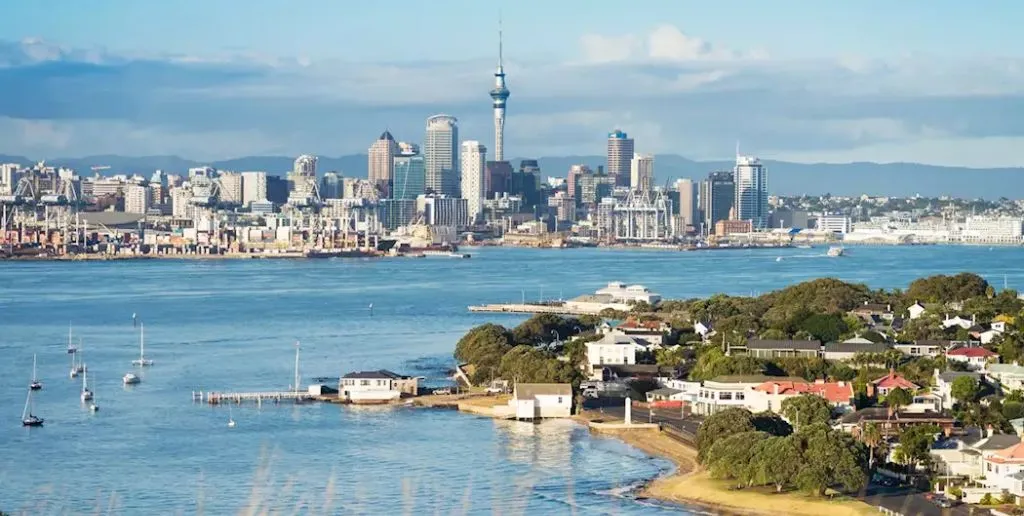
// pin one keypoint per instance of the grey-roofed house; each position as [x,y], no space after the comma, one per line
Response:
[541,400]
[783,348]
[962,456]
[664,394]
[944,383]
[892,424]
[381,386]
[848,350]
[922,348]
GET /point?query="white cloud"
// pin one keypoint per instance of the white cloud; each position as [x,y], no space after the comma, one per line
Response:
[663,43]
[609,49]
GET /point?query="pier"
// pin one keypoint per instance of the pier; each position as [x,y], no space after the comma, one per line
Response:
[216,398]
[521,308]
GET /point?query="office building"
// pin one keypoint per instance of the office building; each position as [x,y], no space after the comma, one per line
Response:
[441,155]
[254,187]
[8,178]
[230,188]
[473,157]
[303,190]
[409,179]
[641,173]
[716,199]
[526,182]
[330,186]
[441,210]
[751,181]
[834,223]
[397,212]
[499,178]
[620,154]
[381,162]
[572,180]
[564,207]
[136,199]
[277,189]
[686,203]
[594,187]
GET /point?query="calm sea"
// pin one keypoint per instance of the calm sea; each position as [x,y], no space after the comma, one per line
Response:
[232,325]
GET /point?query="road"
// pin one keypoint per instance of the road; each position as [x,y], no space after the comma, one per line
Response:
[910,502]
[616,408]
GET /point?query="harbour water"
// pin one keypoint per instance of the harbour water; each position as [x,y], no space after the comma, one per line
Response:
[231,325]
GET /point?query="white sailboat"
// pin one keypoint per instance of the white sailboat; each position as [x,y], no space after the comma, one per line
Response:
[86,393]
[71,347]
[27,418]
[76,366]
[142,361]
[36,384]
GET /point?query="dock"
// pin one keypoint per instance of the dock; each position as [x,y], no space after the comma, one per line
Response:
[216,398]
[520,308]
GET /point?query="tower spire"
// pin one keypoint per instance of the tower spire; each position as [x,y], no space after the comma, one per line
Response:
[500,44]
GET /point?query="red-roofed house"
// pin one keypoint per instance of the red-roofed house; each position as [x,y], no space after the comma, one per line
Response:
[975,357]
[894,380]
[770,394]
[1004,470]
[651,333]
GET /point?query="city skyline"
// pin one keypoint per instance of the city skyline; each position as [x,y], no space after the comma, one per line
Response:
[680,83]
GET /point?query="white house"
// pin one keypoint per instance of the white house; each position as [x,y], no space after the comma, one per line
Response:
[916,310]
[986,333]
[922,348]
[925,401]
[1009,376]
[965,456]
[975,357]
[1004,470]
[957,320]
[369,387]
[703,328]
[770,394]
[629,294]
[612,349]
[944,384]
[730,391]
[541,400]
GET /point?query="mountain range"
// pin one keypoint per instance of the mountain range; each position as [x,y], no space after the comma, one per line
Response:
[784,178]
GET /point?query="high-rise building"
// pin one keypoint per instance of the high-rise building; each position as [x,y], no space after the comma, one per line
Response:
[441,210]
[397,212]
[254,187]
[330,186]
[474,155]
[686,191]
[717,197]
[157,188]
[499,95]
[409,179]
[231,188]
[526,183]
[620,153]
[8,173]
[564,207]
[499,178]
[641,173]
[382,162]
[441,155]
[751,180]
[136,199]
[302,181]
[572,180]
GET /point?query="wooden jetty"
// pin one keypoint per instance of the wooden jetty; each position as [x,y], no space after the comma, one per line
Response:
[216,398]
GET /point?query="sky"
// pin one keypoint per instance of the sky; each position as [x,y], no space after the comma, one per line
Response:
[938,82]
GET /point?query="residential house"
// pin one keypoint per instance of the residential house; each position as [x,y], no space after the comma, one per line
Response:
[612,349]
[867,310]
[704,329]
[924,401]
[988,332]
[891,381]
[769,395]
[648,333]
[665,394]
[730,391]
[957,321]
[916,310]
[782,348]
[382,386]
[532,401]
[1004,470]
[922,348]
[944,384]
[964,456]
[975,357]
[848,349]
[690,391]
[1010,377]
[891,424]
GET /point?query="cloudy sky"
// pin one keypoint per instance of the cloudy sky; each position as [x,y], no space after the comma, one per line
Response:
[935,81]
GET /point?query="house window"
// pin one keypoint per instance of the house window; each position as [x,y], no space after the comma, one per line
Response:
[740,395]
[725,395]
[364,382]
[559,400]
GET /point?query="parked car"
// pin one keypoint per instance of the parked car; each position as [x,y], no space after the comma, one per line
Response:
[495,390]
[443,390]
[943,502]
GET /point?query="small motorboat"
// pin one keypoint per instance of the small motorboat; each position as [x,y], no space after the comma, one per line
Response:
[93,407]
[778,258]
[131,379]
[835,251]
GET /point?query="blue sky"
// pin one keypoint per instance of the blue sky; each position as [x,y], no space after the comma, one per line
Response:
[937,81]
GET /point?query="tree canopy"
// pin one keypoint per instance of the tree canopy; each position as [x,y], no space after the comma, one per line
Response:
[806,409]
[944,289]
[720,425]
[484,346]
[965,389]
[530,365]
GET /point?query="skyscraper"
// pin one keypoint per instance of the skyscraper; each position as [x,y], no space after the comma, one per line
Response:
[687,204]
[641,173]
[330,186]
[303,188]
[254,187]
[381,161]
[620,152]
[717,195]
[751,180]
[499,95]
[231,188]
[474,155]
[572,181]
[441,155]
[409,180]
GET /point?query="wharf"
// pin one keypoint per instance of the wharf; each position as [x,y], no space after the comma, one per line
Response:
[215,398]
[520,308]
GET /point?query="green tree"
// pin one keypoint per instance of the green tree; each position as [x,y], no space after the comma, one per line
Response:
[944,289]
[731,457]
[484,346]
[806,409]
[771,423]
[712,362]
[671,357]
[824,327]
[776,461]
[722,424]
[965,389]
[871,436]
[916,442]
[830,459]
[529,365]
[808,368]
[898,397]
[774,334]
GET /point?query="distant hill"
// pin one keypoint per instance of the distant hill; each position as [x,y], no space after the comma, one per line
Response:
[784,178]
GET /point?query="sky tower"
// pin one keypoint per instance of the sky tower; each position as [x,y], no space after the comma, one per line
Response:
[500,95]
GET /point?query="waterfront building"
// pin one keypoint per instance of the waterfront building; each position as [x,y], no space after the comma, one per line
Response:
[834,224]
[564,207]
[499,178]
[729,391]
[724,228]
[612,349]
[686,203]
[441,210]
[409,180]
[396,213]
[330,186]
[441,155]
[136,199]
[541,400]
[620,154]
[770,395]
[751,200]
[374,387]
[254,187]
[499,95]
[381,162]
[502,207]
[717,197]
[641,175]
[230,188]
[474,155]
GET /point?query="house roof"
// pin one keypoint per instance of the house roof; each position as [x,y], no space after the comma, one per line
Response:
[379,375]
[616,339]
[633,323]
[949,376]
[872,414]
[894,380]
[872,307]
[530,390]
[835,392]
[897,323]
[664,391]
[1006,369]
[998,442]
[936,343]
[784,344]
[971,352]
[1014,454]
[856,347]
[753,378]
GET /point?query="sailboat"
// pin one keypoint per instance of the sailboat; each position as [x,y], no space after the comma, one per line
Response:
[86,393]
[76,366]
[231,420]
[36,384]
[142,360]
[71,347]
[27,418]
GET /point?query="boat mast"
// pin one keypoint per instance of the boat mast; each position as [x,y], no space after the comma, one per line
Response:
[296,367]
[142,342]
[28,403]
[33,367]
